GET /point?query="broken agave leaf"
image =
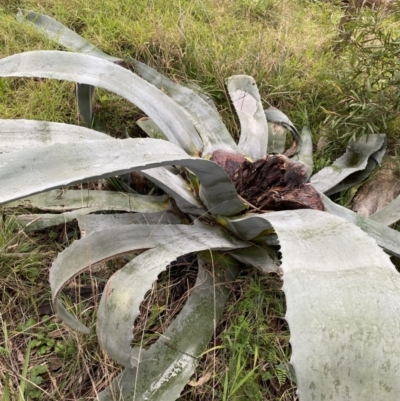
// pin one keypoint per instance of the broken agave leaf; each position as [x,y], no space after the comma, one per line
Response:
[77,203]
[358,177]
[19,134]
[247,102]
[356,158]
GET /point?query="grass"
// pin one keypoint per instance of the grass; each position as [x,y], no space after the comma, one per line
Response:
[302,64]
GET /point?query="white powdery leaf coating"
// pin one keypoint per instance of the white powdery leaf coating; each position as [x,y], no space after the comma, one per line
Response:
[40,169]
[175,186]
[247,102]
[98,72]
[60,33]
[172,371]
[244,102]
[387,238]
[204,117]
[131,282]
[126,289]
[343,303]
[177,351]
[389,215]
[355,159]
[19,134]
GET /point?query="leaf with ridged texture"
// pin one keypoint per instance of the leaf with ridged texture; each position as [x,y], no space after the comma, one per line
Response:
[387,238]
[94,71]
[276,138]
[343,300]
[305,152]
[103,245]
[355,159]
[84,98]
[389,215]
[98,222]
[247,102]
[150,128]
[61,34]
[71,199]
[176,187]
[204,117]
[166,367]
[20,134]
[60,165]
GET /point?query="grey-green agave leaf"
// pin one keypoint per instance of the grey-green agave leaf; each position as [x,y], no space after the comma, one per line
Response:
[94,71]
[360,176]
[247,102]
[161,372]
[98,222]
[84,98]
[336,297]
[259,257]
[389,215]
[387,238]
[171,241]
[72,199]
[356,158]
[204,117]
[305,152]
[175,186]
[276,138]
[71,40]
[60,165]
[20,134]
[150,128]
[36,221]
[78,203]
[61,34]
[200,92]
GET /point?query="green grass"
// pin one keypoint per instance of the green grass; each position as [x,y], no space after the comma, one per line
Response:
[302,64]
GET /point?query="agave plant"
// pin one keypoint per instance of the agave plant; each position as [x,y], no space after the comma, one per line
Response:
[341,288]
